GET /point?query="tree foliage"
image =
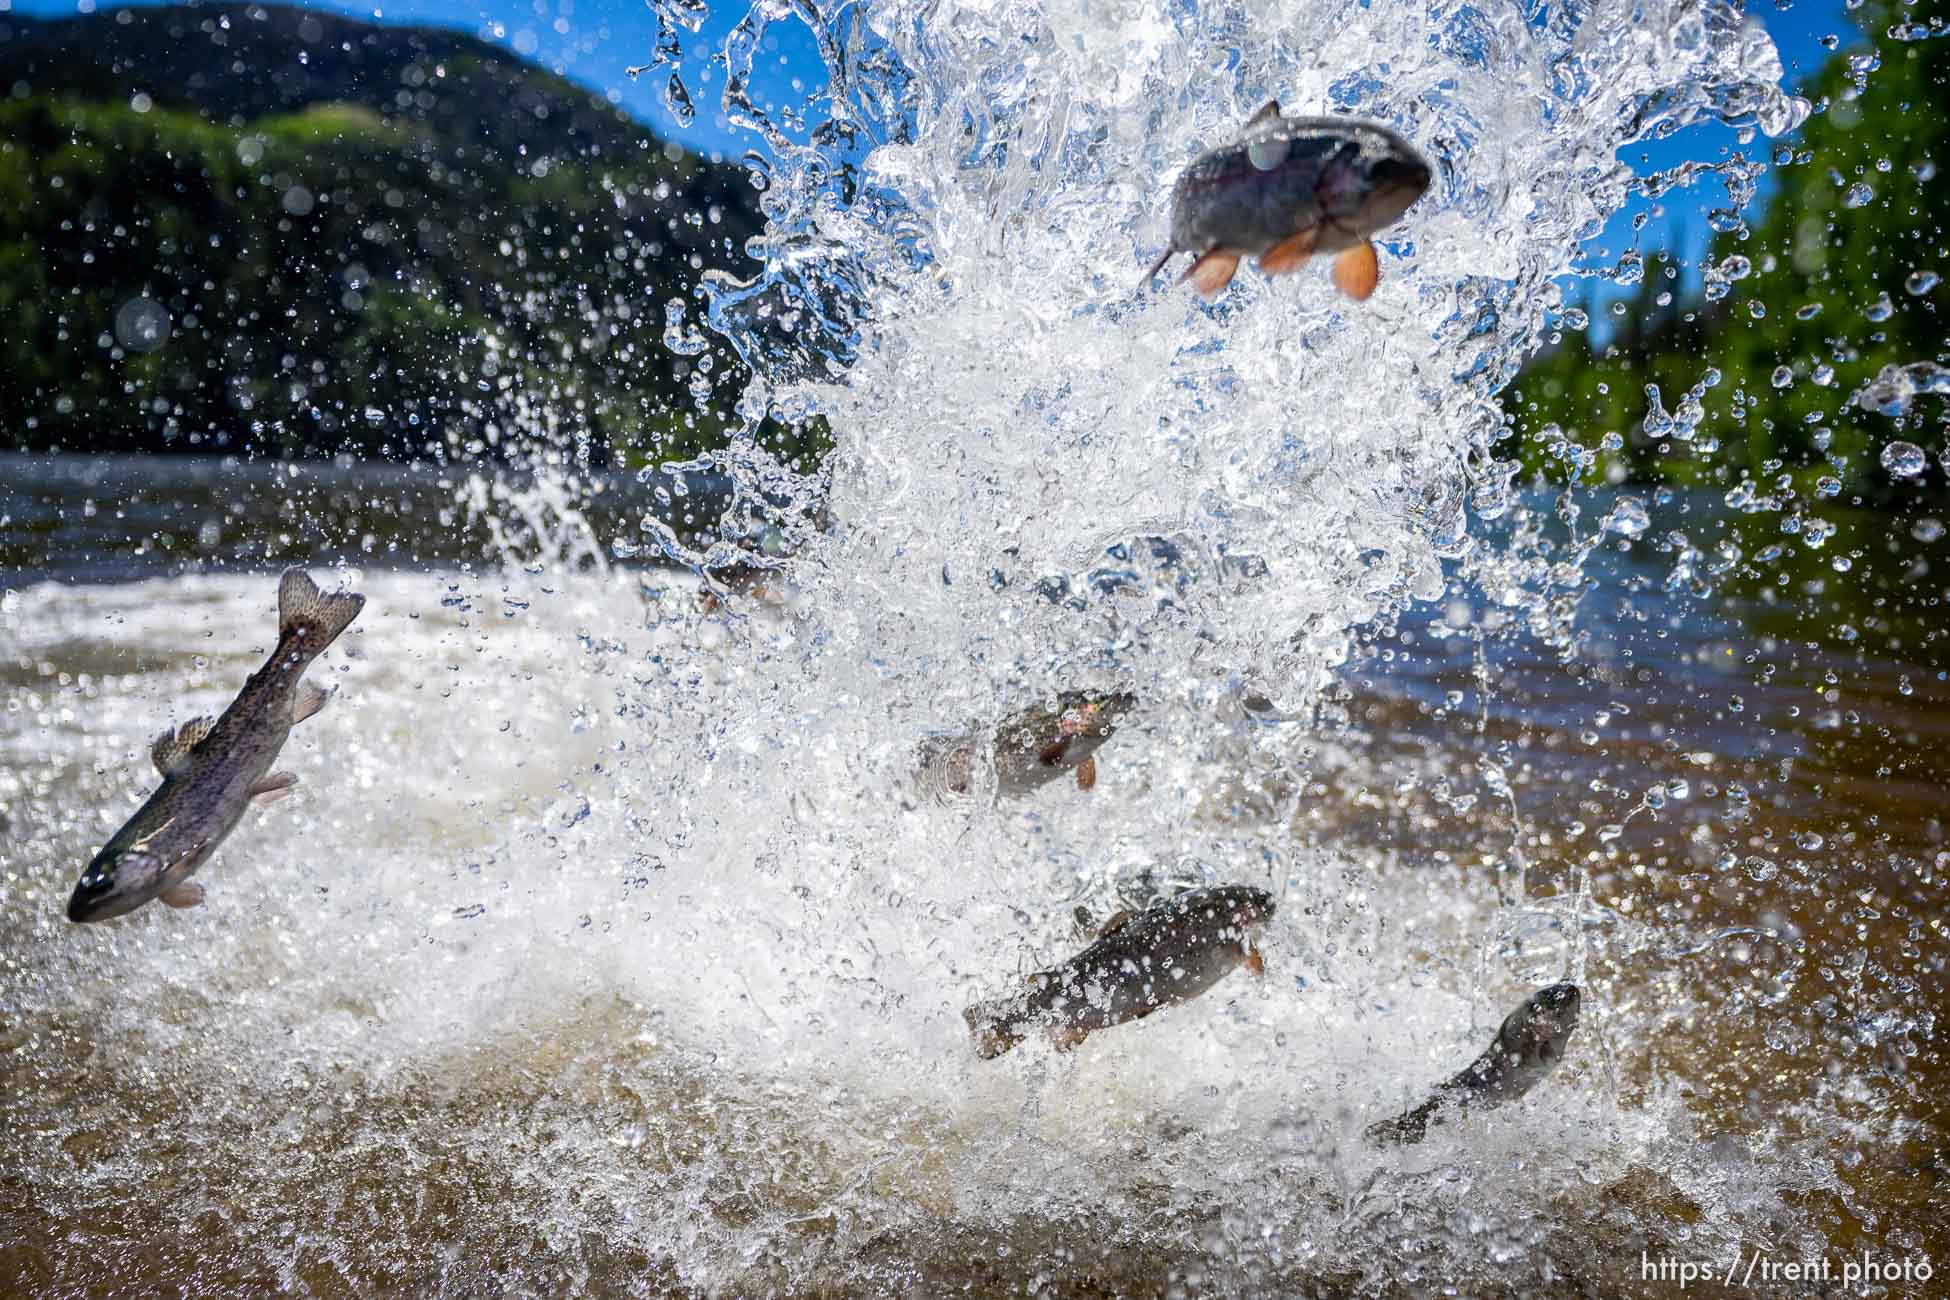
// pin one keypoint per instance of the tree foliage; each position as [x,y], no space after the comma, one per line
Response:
[384,241]
[1757,378]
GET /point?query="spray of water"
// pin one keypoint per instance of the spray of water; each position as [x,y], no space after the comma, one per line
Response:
[628,932]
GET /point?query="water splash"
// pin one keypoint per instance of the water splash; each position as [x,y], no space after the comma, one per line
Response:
[671,868]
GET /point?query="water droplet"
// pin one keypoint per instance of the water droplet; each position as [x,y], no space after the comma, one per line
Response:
[678,100]
[1904,459]
[1921,282]
[1926,530]
[1808,312]
[1881,309]
[1828,486]
[1756,310]
[142,325]
[1859,195]
[1267,154]
[1783,377]
[1628,517]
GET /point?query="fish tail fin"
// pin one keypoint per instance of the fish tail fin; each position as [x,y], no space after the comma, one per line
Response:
[311,617]
[995,1026]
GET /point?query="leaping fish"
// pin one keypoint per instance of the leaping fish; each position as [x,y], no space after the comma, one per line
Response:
[213,771]
[1032,747]
[1169,953]
[1528,1047]
[1289,189]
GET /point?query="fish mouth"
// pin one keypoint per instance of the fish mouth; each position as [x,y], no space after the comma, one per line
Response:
[1249,905]
[112,887]
[1560,997]
[1395,183]
[1560,1004]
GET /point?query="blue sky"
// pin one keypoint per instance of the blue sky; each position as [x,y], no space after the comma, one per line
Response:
[596,41]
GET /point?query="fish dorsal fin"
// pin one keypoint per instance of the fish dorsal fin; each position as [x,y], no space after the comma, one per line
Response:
[1268,113]
[1117,922]
[172,748]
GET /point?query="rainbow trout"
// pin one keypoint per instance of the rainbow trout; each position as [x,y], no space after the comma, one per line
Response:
[213,771]
[1034,746]
[1528,1046]
[1170,952]
[1289,189]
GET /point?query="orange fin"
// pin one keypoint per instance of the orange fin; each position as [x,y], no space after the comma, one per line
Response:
[1212,272]
[1115,923]
[1267,112]
[1255,962]
[1357,271]
[1052,754]
[1065,1037]
[1087,773]
[184,893]
[1291,253]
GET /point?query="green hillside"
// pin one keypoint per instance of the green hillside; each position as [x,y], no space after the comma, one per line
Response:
[263,229]
[1840,277]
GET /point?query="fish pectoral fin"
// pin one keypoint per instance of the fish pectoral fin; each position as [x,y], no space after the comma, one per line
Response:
[308,701]
[172,749]
[1065,1037]
[274,787]
[1156,267]
[1357,271]
[1267,112]
[1052,754]
[1212,272]
[184,893]
[1255,962]
[1291,253]
[1087,773]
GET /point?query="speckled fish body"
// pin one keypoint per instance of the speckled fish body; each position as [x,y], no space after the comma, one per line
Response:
[1528,1046]
[1169,953]
[213,771]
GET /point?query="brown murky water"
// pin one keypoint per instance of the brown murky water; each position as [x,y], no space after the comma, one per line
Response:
[1723,817]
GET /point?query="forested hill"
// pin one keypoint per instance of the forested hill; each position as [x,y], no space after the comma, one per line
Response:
[1794,368]
[232,64]
[262,228]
